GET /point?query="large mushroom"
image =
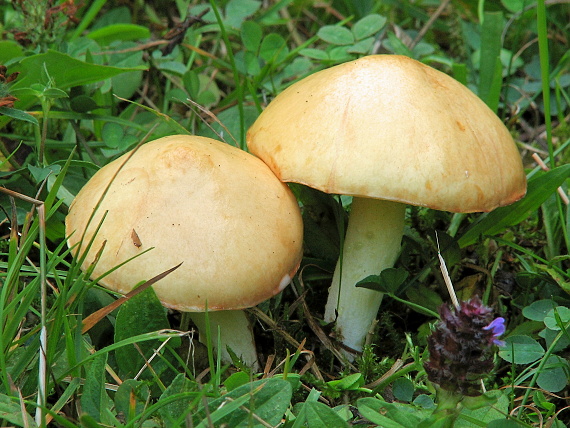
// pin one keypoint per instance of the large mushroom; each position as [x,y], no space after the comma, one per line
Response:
[219,210]
[389,131]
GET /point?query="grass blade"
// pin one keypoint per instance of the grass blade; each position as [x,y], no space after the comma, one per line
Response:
[539,189]
[490,78]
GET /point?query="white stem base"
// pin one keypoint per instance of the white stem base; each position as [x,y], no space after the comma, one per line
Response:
[372,243]
[235,332]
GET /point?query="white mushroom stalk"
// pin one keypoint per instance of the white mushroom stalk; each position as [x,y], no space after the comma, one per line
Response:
[235,332]
[372,244]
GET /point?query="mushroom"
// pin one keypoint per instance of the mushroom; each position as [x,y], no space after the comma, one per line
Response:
[389,131]
[219,210]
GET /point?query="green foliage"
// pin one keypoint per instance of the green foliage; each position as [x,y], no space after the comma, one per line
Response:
[539,189]
[96,78]
[265,400]
[131,359]
[553,372]
[346,44]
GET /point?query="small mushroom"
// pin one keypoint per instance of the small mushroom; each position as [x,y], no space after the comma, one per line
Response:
[220,211]
[389,131]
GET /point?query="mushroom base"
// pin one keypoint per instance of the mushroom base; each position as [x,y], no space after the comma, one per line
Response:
[235,333]
[372,244]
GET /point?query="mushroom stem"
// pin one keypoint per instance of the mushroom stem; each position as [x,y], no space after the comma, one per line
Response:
[235,332]
[372,243]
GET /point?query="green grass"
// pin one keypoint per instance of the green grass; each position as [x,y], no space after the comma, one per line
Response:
[91,88]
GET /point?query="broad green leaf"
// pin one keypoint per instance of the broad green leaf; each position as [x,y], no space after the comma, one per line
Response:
[483,409]
[387,282]
[15,113]
[315,414]
[131,398]
[424,401]
[554,375]
[298,67]
[424,297]
[267,398]
[504,423]
[394,276]
[403,389]
[112,134]
[251,34]
[521,350]
[514,5]
[88,421]
[368,26]
[54,93]
[83,104]
[344,412]
[236,380]
[540,187]
[231,124]
[550,336]
[65,70]
[314,53]
[11,411]
[173,67]
[362,47]
[238,10]
[273,48]
[126,84]
[423,49]
[293,378]
[536,311]
[40,174]
[225,409]
[348,383]
[374,282]
[123,32]
[541,401]
[9,50]
[551,320]
[173,411]
[247,62]
[397,46]
[336,35]
[209,91]
[94,397]
[340,54]
[390,415]
[140,314]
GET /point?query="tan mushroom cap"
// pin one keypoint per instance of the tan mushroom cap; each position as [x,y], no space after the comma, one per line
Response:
[219,210]
[390,127]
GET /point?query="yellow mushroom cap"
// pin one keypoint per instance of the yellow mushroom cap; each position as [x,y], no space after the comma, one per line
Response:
[219,210]
[390,127]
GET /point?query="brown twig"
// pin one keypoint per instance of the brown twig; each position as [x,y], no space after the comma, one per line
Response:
[429,24]
[316,328]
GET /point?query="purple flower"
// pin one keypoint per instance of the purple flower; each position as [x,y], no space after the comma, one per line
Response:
[497,326]
[462,346]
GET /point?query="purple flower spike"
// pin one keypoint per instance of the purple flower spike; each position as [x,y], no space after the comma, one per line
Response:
[461,346]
